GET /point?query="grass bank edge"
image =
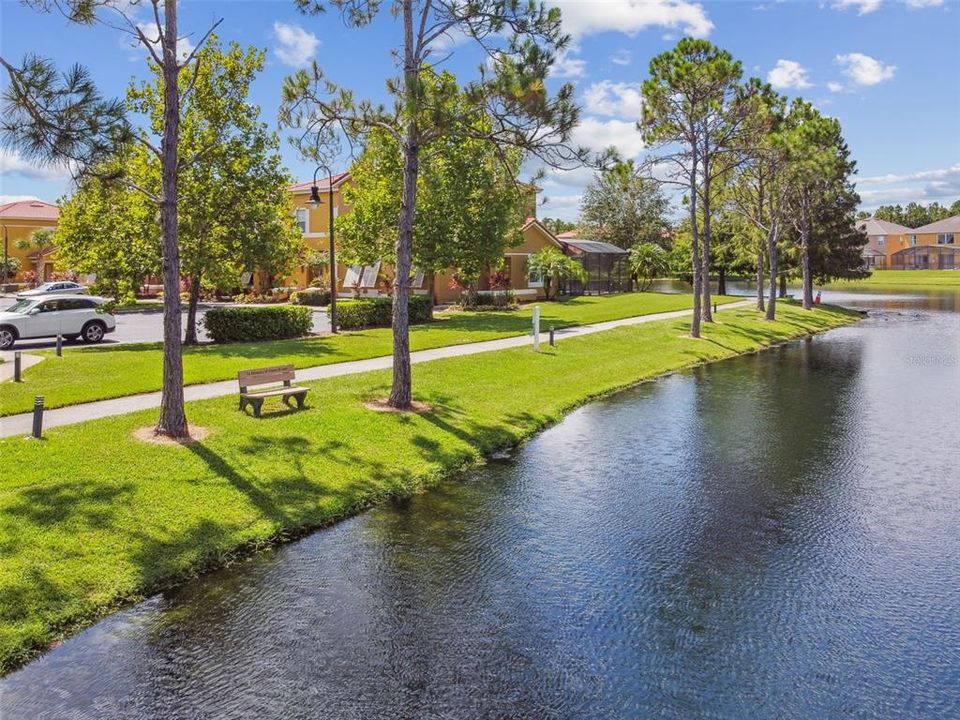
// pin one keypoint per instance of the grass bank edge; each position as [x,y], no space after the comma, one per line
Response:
[20,647]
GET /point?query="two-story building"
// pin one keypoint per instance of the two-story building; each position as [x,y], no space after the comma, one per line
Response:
[18,221]
[895,247]
[372,280]
[930,247]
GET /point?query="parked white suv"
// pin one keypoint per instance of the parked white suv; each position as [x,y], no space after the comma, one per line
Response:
[61,287]
[73,316]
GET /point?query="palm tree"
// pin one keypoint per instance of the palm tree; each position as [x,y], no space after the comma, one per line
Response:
[551,264]
[41,241]
[648,262]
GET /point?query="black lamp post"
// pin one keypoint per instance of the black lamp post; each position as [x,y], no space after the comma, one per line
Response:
[315,201]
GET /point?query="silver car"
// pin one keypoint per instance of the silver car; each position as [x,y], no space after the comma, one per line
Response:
[59,287]
[72,316]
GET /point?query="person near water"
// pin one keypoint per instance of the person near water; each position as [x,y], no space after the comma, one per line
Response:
[816,300]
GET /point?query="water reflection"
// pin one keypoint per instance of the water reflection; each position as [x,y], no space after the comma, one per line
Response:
[773,536]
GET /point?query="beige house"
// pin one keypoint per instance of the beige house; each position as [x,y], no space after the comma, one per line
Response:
[883,239]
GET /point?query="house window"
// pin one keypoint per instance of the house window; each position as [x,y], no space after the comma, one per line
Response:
[416,278]
[913,239]
[302,220]
[880,239]
[945,239]
[534,279]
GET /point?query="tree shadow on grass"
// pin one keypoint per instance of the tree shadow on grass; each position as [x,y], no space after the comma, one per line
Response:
[74,502]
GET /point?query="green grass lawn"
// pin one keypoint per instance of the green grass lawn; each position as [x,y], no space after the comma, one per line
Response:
[91,518]
[880,279]
[99,373]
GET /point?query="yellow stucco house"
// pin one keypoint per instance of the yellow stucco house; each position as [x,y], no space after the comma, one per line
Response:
[373,280]
[18,221]
[895,247]
[931,247]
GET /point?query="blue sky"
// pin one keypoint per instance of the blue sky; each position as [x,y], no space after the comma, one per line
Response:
[888,69]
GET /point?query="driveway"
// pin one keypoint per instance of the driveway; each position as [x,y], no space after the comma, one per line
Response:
[143,327]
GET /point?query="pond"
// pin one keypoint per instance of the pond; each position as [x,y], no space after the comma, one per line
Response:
[772,536]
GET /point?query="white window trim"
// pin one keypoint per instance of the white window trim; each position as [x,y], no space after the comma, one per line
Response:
[306,220]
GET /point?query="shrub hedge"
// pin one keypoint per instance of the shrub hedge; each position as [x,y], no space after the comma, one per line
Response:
[378,312]
[245,324]
[313,296]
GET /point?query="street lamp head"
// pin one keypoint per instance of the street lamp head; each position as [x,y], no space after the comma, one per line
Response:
[314,197]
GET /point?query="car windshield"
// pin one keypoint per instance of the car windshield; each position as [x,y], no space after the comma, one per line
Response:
[21,306]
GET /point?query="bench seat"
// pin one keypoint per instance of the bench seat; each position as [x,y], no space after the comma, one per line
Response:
[249,379]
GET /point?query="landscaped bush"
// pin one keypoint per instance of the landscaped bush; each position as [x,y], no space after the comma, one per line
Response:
[378,312]
[496,300]
[243,324]
[313,296]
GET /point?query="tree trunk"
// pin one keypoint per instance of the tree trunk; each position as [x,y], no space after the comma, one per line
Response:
[191,332]
[695,254]
[173,419]
[401,393]
[760,306]
[783,285]
[773,262]
[805,255]
[722,281]
[707,311]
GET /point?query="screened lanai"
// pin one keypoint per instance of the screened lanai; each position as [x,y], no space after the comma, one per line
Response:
[607,267]
[926,257]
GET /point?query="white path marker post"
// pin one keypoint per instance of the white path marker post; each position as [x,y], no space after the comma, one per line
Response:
[536,328]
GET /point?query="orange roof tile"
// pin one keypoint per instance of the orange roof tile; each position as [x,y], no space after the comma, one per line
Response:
[30,210]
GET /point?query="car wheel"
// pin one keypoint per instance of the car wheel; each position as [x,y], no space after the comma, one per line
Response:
[93,332]
[7,337]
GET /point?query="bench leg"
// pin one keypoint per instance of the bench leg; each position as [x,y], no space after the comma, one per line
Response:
[300,399]
[257,404]
[243,404]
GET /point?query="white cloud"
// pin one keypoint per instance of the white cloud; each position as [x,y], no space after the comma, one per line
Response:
[835,87]
[788,74]
[297,45]
[863,69]
[921,186]
[562,201]
[865,6]
[917,4]
[4,199]
[567,66]
[631,16]
[621,57]
[149,30]
[11,163]
[598,135]
[614,99]
[952,172]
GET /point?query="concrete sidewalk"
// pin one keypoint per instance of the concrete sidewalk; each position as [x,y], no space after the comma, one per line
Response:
[21,424]
[6,367]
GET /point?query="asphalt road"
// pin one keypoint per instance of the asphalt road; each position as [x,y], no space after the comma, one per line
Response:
[146,327]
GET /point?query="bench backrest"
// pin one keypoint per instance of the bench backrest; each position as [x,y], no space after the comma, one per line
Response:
[265,376]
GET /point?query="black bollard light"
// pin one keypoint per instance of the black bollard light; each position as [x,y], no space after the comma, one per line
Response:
[553,341]
[714,307]
[16,366]
[38,417]
[59,345]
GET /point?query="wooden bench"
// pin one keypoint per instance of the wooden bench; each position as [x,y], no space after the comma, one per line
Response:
[269,376]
